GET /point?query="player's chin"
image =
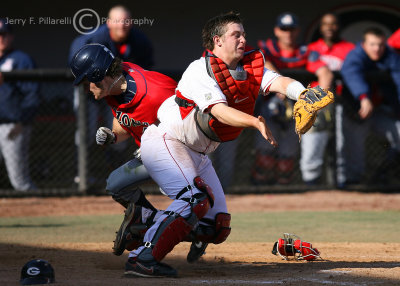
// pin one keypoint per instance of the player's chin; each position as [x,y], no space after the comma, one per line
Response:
[98,95]
[240,53]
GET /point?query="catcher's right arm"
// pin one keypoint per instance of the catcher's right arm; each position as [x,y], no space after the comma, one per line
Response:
[306,108]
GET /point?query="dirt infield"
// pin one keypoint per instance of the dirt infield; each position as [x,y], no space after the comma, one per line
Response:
[317,201]
[230,263]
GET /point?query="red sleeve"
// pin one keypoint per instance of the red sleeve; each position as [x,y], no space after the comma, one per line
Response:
[362,96]
[394,40]
[314,66]
[314,61]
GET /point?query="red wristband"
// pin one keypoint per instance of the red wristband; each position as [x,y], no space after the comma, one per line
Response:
[362,96]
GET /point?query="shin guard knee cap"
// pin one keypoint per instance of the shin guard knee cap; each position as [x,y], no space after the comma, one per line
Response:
[222,227]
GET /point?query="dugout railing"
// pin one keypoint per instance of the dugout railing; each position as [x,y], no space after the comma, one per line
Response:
[65,160]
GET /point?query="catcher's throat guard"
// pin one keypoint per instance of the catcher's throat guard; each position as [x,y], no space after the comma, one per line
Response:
[292,245]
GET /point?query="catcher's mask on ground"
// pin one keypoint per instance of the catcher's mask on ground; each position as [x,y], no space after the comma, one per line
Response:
[37,271]
[292,245]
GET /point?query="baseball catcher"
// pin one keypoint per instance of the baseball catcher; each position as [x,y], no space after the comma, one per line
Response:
[292,245]
[305,109]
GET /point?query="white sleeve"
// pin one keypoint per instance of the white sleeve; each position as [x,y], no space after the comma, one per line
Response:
[198,86]
[268,77]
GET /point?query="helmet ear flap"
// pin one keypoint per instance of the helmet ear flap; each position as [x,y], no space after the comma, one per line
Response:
[94,75]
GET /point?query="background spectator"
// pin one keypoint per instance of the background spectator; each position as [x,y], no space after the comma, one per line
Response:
[280,53]
[277,164]
[121,37]
[369,104]
[329,50]
[19,102]
[394,40]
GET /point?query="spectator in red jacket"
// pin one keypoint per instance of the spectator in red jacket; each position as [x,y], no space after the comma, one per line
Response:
[394,40]
[330,50]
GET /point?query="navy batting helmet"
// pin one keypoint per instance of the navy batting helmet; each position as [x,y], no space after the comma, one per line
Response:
[91,61]
[37,271]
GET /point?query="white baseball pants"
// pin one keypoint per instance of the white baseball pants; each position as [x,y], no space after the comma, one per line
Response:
[173,166]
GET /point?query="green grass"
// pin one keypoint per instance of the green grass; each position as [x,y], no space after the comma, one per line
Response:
[100,228]
[345,226]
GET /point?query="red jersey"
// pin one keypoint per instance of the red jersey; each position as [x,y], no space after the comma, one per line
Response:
[394,40]
[137,107]
[332,57]
[283,59]
[321,54]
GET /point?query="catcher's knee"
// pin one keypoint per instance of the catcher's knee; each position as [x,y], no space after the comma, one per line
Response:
[199,202]
[206,189]
[222,227]
[217,231]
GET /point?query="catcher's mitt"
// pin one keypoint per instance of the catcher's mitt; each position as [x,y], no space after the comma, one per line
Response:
[305,110]
[292,245]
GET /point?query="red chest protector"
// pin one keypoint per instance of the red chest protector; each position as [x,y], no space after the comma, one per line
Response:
[241,89]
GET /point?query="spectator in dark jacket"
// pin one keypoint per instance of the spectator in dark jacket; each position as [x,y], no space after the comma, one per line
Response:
[121,38]
[18,104]
[368,104]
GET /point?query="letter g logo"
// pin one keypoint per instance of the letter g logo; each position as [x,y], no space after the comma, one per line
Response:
[33,271]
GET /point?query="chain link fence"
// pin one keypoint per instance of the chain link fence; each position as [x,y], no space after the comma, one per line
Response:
[64,158]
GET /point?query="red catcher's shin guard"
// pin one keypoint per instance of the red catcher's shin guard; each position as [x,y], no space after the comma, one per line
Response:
[173,234]
[174,229]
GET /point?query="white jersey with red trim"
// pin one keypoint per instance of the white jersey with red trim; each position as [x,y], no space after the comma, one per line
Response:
[198,86]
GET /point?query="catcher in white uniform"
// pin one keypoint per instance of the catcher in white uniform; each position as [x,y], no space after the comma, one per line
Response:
[214,101]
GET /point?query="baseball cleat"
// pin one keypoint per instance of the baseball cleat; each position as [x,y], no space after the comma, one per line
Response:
[130,236]
[197,249]
[148,269]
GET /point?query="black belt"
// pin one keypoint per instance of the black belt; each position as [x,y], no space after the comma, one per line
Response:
[183,102]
